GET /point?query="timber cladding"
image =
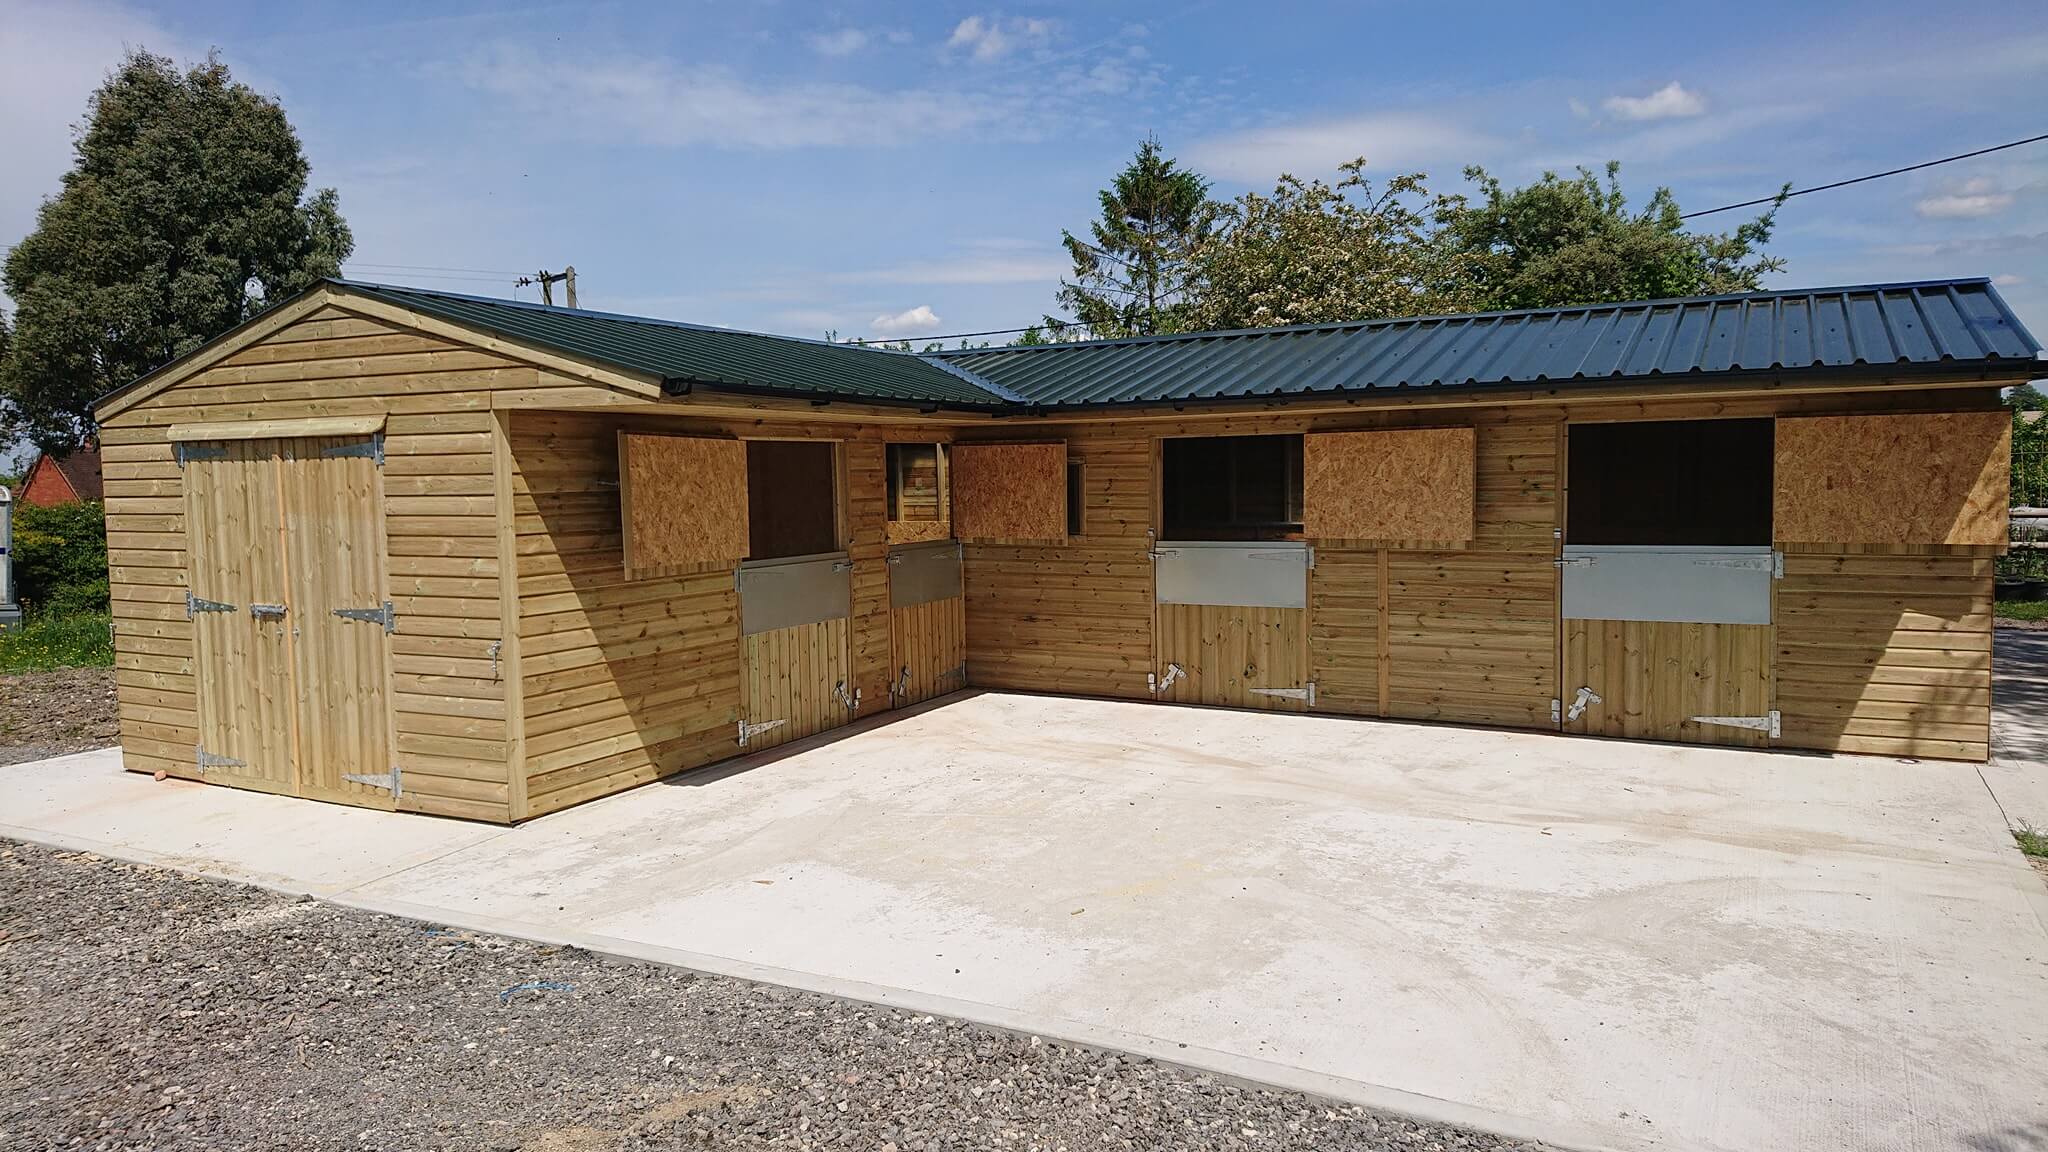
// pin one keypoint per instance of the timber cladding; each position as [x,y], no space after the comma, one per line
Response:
[683,500]
[560,559]
[1925,478]
[447,704]
[1010,491]
[1389,484]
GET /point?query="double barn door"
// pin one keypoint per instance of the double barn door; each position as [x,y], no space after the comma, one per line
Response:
[290,616]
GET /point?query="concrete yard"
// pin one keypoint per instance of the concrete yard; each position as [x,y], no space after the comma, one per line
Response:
[1591,942]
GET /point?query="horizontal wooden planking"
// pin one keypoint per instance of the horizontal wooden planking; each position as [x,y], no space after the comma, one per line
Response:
[1885,653]
[1471,636]
[440,521]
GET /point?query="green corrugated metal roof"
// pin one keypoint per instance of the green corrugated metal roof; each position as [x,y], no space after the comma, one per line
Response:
[1882,330]
[685,355]
[1876,330]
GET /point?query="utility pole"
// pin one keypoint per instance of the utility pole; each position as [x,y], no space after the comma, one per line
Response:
[547,281]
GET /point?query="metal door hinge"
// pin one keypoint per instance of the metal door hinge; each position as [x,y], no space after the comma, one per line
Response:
[194,606]
[1160,684]
[749,731]
[389,781]
[497,647]
[1307,695]
[1580,702]
[1556,710]
[383,615]
[268,611]
[207,761]
[1768,722]
[901,687]
[187,452]
[373,448]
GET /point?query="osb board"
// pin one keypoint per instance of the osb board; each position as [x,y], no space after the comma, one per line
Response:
[917,531]
[1393,484]
[682,500]
[1010,491]
[1937,478]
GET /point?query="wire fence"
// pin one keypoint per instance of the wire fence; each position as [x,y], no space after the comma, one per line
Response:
[2028,557]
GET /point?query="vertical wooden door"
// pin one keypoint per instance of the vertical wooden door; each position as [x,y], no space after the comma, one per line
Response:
[1655,680]
[928,644]
[335,564]
[795,682]
[243,654]
[1234,656]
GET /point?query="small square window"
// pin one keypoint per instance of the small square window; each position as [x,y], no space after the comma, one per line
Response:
[917,496]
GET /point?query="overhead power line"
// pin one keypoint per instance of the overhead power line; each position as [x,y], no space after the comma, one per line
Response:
[1872,176]
[1682,216]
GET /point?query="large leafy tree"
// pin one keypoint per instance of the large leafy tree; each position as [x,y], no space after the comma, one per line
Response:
[1131,278]
[1314,252]
[185,213]
[1562,241]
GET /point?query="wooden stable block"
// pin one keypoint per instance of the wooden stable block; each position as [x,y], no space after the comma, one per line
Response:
[1010,491]
[1940,478]
[682,500]
[1396,484]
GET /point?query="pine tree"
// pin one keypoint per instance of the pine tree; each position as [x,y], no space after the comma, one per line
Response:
[1133,279]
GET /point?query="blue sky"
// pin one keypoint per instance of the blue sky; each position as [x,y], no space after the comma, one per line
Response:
[900,170]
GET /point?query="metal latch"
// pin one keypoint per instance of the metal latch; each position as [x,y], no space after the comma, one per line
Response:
[1307,694]
[1585,697]
[194,606]
[1158,684]
[1765,723]
[1743,564]
[1573,562]
[383,615]
[373,448]
[267,611]
[207,761]
[849,700]
[842,565]
[386,780]
[749,731]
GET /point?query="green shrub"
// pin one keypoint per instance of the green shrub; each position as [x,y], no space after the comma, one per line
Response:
[60,557]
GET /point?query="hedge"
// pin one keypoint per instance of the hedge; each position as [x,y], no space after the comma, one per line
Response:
[60,557]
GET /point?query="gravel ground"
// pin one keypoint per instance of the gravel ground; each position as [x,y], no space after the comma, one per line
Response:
[143,1008]
[45,714]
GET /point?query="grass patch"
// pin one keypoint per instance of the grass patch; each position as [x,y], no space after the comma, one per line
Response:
[46,641]
[2033,841]
[2020,609]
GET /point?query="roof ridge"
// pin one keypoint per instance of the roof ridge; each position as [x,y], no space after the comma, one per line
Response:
[1503,313]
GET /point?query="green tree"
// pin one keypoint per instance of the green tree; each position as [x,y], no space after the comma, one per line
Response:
[1133,278]
[184,214]
[1316,253]
[1563,241]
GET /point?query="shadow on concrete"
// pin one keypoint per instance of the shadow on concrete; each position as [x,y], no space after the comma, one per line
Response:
[2019,695]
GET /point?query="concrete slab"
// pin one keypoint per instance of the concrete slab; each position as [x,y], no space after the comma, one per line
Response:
[1599,943]
[2018,772]
[86,801]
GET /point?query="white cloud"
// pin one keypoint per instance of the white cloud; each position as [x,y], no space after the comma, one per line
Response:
[670,104]
[838,42]
[991,37]
[1392,142]
[991,262]
[2008,280]
[908,322]
[1669,102]
[1970,201]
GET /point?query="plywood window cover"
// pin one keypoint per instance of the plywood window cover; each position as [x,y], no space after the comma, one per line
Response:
[279,429]
[1011,490]
[682,500]
[1929,478]
[1390,484]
